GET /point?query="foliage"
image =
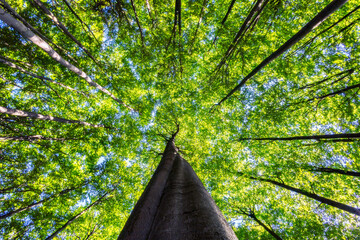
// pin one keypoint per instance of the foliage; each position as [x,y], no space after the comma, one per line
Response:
[171,76]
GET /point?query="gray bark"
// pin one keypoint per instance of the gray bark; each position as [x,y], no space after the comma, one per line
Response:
[175,205]
[62,27]
[344,136]
[139,223]
[28,34]
[71,220]
[20,113]
[316,21]
[10,63]
[324,200]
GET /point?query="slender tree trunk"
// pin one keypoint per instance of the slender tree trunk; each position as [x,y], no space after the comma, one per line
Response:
[62,27]
[252,215]
[71,220]
[340,91]
[33,115]
[324,200]
[344,136]
[258,7]
[9,214]
[34,138]
[338,171]
[198,25]
[12,11]
[138,23]
[316,21]
[28,34]
[346,73]
[10,63]
[228,12]
[81,21]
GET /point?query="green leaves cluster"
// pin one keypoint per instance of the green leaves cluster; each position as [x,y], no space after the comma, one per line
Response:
[170,77]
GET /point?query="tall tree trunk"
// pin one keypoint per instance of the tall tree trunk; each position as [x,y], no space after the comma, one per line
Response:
[334,170]
[252,215]
[324,200]
[341,136]
[33,138]
[15,14]
[138,23]
[11,213]
[71,220]
[20,113]
[62,27]
[10,63]
[81,21]
[316,21]
[228,12]
[28,34]
[139,223]
[175,205]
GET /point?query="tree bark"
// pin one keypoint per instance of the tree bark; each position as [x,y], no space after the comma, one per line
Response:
[9,62]
[338,171]
[324,200]
[228,12]
[316,21]
[139,223]
[252,215]
[33,138]
[12,11]
[81,21]
[186,210]
[175,205]
[11,213]
[71,220]
[62,27]
[20,113]
[28,34]
[345,136]
[138,23]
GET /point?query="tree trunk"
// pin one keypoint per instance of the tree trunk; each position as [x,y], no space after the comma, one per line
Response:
[251,214]
[28,34]
[316,21]
[228,12]
[11,213]
[138,23]
[139,223]
[8,62]
[181,208]
[324,200]
[75,217]
[62,27]
[12,11]
[33,138]
[20,113]
[265,227]
[338,171]
[344,136]
[81,21]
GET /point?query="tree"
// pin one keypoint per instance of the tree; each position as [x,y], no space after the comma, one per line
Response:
[91,91]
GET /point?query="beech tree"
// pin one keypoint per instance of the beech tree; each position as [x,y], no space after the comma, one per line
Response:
[265,94]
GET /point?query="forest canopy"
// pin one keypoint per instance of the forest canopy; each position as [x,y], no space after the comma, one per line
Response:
[265,94]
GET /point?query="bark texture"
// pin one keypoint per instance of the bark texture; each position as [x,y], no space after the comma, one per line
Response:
[139,223]
[176,205]
[316,21]
[187,210]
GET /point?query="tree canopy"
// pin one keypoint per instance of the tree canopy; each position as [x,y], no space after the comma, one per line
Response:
[265,94]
